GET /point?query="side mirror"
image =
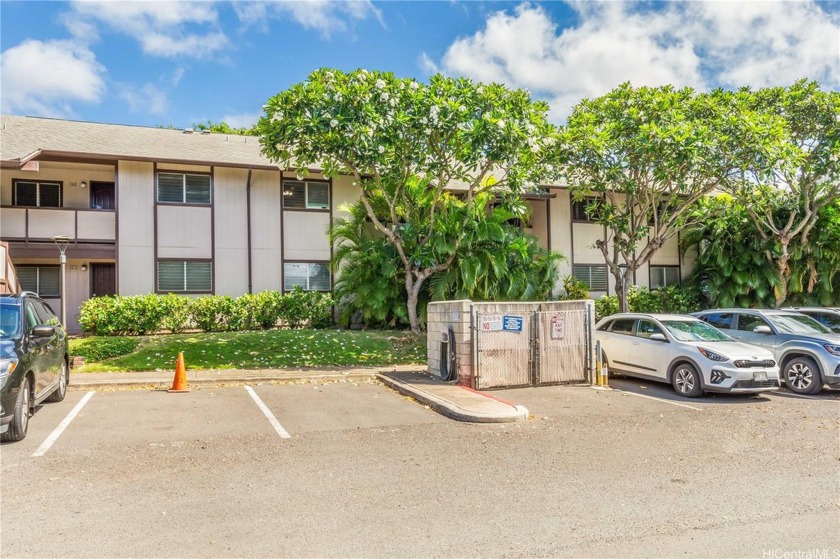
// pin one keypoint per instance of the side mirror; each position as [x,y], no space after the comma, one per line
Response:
[658,337]
[43,331]
[762,329]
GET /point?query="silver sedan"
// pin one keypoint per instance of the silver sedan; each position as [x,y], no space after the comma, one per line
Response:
[691,355]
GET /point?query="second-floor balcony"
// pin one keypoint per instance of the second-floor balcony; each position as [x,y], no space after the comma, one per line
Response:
[42,224]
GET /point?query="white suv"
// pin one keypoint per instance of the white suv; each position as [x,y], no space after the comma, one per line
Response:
[686,352]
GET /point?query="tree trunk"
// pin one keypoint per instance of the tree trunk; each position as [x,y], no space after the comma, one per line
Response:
[621,292]
[781,290]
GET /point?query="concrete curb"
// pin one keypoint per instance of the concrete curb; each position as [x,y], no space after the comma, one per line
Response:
[451,410]
[76,384]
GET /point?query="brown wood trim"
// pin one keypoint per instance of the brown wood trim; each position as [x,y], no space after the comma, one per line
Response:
[180,205]
[117,227]
[248,225]
[182,172]
[332,246]
[97,251]
[155,223]
[52,208]
[302,210]
[109,159]
[282,239]
[179,259]
[212,229]
[548,221]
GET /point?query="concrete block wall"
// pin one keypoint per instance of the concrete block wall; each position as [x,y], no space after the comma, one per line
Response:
[440,317]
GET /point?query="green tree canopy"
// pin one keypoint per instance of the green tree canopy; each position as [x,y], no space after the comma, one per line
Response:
[396,136]
[648,154]
[785,195]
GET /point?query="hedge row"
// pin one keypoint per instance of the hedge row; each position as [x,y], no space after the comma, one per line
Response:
[672,299]
[145,314]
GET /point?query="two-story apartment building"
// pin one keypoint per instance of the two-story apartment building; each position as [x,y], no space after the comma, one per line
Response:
[154,210]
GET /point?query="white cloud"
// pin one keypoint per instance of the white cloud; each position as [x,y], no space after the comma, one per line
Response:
[43,78]
[698,44]
[242,120]
[166,29]
[326,16]
[146,99]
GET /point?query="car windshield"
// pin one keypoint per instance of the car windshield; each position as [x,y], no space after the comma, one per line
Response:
[797,324]
[694,331]
[9,320]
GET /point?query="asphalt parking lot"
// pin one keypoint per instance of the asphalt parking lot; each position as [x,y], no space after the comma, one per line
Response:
[356,469]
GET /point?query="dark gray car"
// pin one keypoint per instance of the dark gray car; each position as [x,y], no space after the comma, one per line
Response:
[807,351]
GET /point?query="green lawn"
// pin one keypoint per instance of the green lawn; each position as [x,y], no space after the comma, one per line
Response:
[252,350]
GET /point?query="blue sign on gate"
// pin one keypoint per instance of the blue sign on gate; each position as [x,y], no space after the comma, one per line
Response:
[512,323]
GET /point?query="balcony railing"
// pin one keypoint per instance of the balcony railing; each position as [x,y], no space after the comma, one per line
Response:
[42,224]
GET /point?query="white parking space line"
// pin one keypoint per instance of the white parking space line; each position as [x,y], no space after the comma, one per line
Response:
[45,446]
[271,419]
[663,400]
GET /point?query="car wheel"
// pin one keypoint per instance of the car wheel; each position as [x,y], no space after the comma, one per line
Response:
[686,381]
[61,390]
[20,417]
[802,376]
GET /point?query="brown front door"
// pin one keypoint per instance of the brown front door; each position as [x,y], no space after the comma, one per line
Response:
[102,195]
[103,279]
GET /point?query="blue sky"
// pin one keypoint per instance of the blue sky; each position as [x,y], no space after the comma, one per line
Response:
[181,63]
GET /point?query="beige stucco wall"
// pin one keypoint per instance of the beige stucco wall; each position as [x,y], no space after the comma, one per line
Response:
[539,221]
[345,194]
[231,231]
[135,251]
[266,230]
[560,230]
[184,232]
[305,235]
[70,174]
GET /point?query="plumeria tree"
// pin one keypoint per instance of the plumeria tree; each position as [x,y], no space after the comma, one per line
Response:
[784,196]
[647,154]
[397,137]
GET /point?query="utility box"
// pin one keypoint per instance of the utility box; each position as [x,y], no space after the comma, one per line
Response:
[507,344]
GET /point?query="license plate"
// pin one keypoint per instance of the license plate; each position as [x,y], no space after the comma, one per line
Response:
[760,375]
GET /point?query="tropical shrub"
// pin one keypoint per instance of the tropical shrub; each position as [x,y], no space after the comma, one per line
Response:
[178,313]
[300,308]
[677,299]
[213,313]
[574,290]
[102,347]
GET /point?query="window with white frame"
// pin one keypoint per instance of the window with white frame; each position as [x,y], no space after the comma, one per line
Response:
[663,276]
[185,276]
[306,195]
[183,188]
[36,193]
[43,280]
[593,275]
[309,276]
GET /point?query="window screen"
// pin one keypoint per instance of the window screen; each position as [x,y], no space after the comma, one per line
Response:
[294,195]
[185,275]
[594,276]
[308,276]
[43,194]
[181,188]
[304,195]
[579,209]
[43,280]
[663,276]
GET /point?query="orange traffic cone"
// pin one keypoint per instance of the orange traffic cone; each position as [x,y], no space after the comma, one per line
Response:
[180,382]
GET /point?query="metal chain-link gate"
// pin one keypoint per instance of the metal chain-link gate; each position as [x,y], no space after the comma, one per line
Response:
[532,347]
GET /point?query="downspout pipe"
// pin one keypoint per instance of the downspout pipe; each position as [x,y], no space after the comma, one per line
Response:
[248,206]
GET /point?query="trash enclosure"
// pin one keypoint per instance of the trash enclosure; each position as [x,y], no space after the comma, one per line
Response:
[501,345]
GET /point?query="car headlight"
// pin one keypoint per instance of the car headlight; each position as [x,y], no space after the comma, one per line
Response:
[711,355]
[833,349]
[6,368]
